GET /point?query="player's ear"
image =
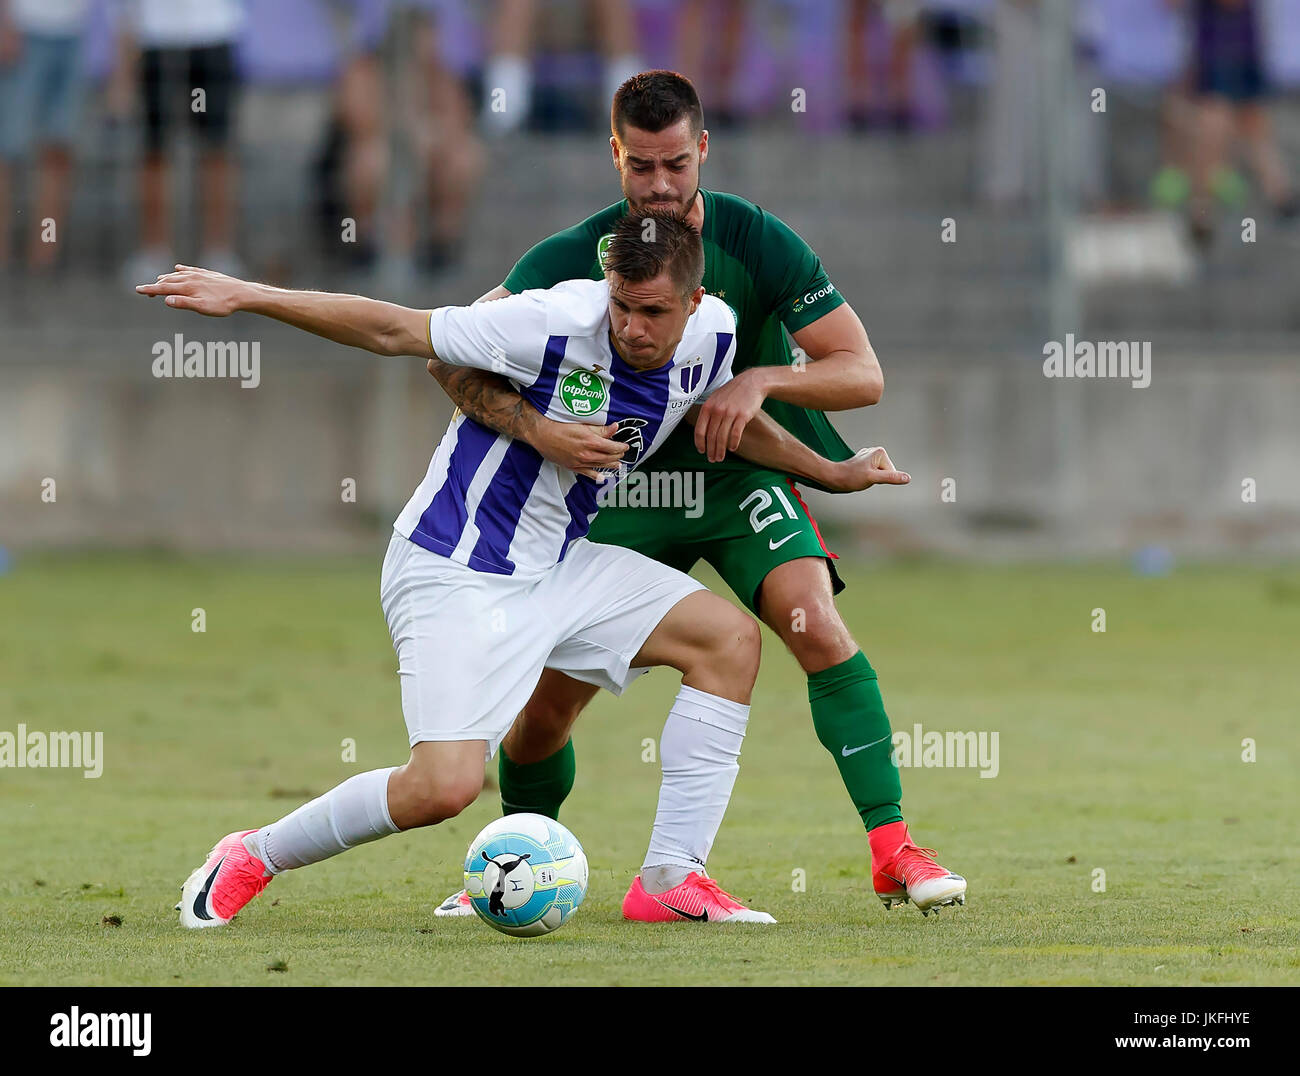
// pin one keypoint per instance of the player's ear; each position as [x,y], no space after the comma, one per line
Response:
[697,297]
[613,149]
[704,145]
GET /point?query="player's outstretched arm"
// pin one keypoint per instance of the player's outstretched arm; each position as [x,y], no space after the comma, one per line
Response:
[769,444]
[354,320]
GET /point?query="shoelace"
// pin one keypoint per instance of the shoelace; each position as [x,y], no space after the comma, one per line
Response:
[714,890]
[901,865]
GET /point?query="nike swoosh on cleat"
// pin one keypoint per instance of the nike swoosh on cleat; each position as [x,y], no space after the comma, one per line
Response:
[201,901]
[845,752]
[774,545]
[703,917]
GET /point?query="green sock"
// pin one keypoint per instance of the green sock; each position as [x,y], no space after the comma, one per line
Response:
[851,724]
[537,787]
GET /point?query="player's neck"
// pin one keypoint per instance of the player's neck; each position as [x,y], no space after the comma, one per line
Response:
[695,218]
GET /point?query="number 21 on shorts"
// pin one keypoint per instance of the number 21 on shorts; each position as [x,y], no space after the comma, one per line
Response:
[762,501]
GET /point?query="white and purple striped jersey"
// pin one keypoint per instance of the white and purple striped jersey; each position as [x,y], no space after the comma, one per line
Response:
[492,502]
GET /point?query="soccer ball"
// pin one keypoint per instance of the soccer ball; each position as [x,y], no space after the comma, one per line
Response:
[525,875]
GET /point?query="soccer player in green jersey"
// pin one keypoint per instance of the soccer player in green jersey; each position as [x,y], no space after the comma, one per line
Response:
[754,528]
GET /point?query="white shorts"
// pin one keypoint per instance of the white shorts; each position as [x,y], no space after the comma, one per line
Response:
[471,645]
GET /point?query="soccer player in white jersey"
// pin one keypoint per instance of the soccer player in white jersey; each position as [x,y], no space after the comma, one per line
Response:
[488,576]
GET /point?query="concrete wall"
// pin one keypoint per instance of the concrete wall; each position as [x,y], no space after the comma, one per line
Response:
[1040,466]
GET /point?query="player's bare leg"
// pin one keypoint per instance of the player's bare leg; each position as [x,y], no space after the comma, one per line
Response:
[545,724]
[797,602]
[439,781]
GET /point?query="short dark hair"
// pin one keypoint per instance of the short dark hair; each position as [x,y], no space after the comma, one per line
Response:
[648,242]
[654,100]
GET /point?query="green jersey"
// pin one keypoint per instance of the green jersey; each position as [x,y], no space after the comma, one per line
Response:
[753,262]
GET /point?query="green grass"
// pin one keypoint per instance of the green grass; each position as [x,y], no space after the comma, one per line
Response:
[1119,751]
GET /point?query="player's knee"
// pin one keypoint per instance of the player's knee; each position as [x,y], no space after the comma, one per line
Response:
[429,800]
[736,650]
[819,639]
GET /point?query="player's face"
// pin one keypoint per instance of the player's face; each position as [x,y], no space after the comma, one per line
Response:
[661,170]
[648,318]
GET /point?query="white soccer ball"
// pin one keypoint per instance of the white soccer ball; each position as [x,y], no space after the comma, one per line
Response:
[525,874]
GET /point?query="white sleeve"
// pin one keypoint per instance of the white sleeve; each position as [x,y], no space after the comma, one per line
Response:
[724,372]
[503,336]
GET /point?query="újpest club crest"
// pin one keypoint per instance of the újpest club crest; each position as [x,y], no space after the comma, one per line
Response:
[688,376]
[583,393]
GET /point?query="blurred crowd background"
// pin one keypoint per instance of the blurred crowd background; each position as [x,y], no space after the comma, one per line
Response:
[377,111]
[978,176]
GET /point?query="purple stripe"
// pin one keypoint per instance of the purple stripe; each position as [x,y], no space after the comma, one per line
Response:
[724,342]
[540,391]
[444,520]
[634,394]
[581,503]
[502,503]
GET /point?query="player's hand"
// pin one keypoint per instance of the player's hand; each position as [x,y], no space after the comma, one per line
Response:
[200,290]
[576,446]
[870,467]
[724,415]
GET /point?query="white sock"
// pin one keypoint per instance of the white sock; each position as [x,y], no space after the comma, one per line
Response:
[508,92]
[353,813]
[700,753]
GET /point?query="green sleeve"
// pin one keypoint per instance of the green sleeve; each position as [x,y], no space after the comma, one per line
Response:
[792,282]
[566,255]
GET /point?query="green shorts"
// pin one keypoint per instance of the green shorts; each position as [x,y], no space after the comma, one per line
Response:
[744,523]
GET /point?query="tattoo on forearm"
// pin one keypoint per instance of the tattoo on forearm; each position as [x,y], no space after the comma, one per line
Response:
[487,398]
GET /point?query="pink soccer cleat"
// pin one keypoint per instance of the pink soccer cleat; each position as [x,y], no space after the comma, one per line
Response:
[231,877]
[902,871]
[455,906]
[699,899]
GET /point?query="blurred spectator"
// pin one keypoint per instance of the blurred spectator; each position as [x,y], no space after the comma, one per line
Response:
[903,19]
[508,73]
[40,89]
[1228,83]
[439,126]
[711,39]
[186,68]
[315,121]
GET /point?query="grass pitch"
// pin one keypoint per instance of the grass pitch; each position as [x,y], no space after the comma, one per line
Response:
[1118,752]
